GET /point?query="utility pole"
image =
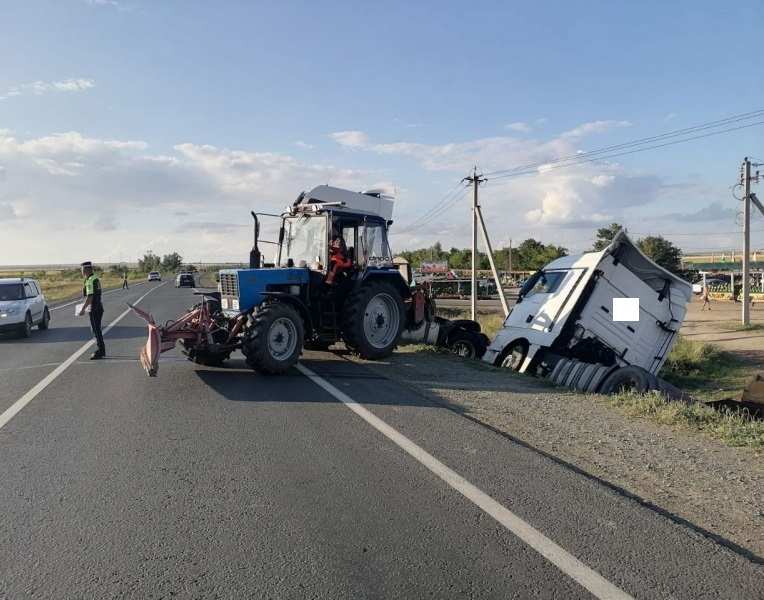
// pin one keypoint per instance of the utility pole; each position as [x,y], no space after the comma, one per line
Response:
[746,240]
[477,217]
[745,179]
[475,180]
[510,258]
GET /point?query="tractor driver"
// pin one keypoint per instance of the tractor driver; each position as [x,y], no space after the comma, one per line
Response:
[339,261]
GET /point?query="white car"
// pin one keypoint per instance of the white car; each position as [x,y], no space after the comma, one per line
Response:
[22,306]
[154,276]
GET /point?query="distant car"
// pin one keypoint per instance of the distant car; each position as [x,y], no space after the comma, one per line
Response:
[154,276]
[22,306]
[184,280]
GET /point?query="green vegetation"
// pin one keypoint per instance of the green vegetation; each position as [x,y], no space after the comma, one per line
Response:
[705,371]
[654,246]
[151,262]
[490,322]
[732,427]
[530,255]
[62,285]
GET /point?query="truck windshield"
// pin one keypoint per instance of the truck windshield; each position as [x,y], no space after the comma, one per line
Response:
[543,282]
[305,242]
[11,291]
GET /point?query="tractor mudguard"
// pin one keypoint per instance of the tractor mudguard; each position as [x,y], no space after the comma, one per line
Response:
[392,276]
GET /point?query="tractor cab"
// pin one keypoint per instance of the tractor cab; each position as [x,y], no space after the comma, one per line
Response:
[329,221]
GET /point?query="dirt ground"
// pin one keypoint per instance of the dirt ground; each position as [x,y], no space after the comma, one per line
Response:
[722,326]
[688,477]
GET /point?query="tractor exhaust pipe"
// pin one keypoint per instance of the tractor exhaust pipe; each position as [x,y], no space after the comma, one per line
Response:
[254,254]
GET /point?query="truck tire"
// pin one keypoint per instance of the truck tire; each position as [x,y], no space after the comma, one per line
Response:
[373,320]
[467,344]
[513,355]
[628,379]
[274,342]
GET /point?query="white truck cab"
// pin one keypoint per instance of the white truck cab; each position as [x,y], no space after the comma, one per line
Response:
[22,306]
[566,311]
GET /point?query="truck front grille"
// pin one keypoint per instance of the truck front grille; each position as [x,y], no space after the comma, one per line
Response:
[229,285]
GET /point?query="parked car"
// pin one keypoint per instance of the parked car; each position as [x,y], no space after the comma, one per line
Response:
[154,276]
[184,280]
[22,306]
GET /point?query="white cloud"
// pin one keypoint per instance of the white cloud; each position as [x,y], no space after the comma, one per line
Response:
[519,127]
[75,191]
[304,145]
[109,3]
[594,127]
[38,88]
[350,139]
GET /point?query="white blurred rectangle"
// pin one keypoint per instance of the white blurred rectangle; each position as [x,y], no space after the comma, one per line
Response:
[626,309]
[78,308]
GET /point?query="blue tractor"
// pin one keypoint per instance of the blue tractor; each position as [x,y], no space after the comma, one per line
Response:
[333,280]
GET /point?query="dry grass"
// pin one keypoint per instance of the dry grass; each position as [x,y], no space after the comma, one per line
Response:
[734,428]
[490,322]
[706,371]
[63,285]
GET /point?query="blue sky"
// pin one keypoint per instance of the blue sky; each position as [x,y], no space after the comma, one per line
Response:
[130,125]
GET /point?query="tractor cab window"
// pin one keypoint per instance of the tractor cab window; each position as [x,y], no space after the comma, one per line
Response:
[374,246]
[305,242]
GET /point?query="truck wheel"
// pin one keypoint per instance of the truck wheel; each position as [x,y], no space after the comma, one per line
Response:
[274,342]
[513,356]
[467,344]
[627,379]
[373,320]
[45,322]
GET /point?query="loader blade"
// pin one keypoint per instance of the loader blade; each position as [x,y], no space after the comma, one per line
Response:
[150,352]
[149,356]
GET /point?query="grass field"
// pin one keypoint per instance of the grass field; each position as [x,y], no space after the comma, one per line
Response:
[62,285]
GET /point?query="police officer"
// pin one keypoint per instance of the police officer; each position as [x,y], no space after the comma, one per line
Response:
[91,291]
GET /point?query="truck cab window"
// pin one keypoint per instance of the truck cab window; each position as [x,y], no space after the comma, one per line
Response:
[546,282]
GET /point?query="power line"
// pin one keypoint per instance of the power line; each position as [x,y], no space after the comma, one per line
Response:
[448,199]
[638,142]
[601,154]
[635,151]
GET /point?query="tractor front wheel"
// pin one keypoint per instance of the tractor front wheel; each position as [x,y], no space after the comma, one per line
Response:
[274,341]
[373,320]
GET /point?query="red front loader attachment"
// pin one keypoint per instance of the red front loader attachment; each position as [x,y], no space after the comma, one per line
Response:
[150,352]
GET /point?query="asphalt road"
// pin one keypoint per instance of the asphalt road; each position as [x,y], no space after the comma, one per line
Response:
[328,482]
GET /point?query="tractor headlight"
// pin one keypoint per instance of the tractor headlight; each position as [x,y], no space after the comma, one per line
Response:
[224,303]
[235,304]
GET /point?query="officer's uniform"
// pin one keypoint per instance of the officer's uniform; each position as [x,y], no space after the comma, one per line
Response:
[92,288]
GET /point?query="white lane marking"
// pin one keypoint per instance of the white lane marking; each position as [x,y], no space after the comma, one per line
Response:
[78,299]
[562,559]
[14,408]
[40,366]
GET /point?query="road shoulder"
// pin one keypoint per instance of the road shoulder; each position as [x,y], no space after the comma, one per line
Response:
[690,478]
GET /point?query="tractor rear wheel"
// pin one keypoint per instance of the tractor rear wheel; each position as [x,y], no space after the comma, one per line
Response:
[274,342]
[373,320]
